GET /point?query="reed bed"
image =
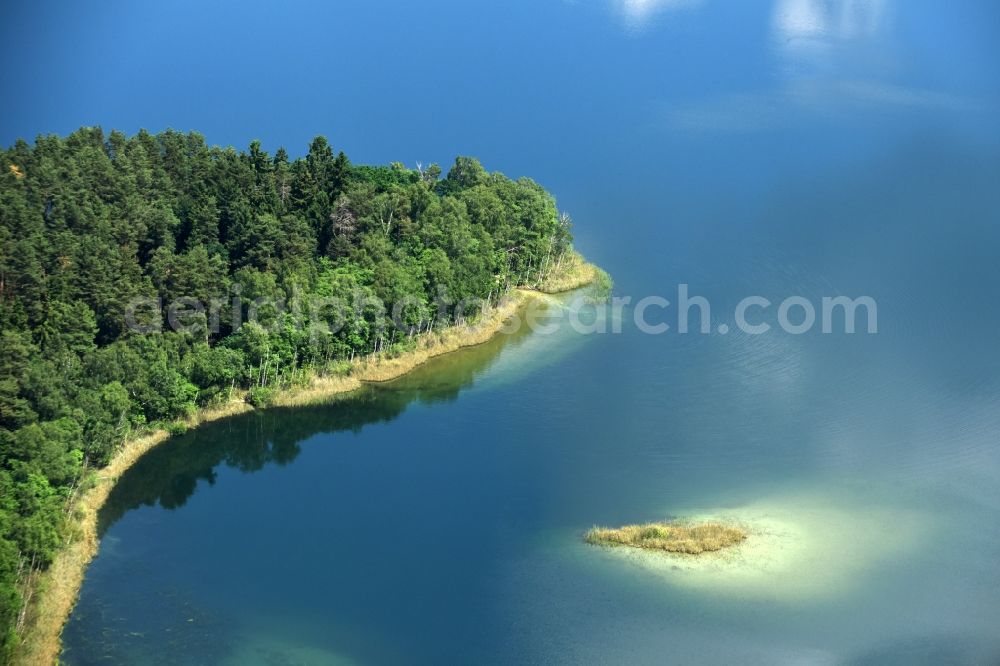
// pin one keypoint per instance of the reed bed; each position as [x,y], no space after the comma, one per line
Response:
[436,343]
[317,389]
[570,272]
[673,537]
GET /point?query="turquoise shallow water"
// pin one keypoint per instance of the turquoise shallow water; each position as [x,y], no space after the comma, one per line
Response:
[797,147]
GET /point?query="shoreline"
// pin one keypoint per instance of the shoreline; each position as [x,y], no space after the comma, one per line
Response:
[57,588]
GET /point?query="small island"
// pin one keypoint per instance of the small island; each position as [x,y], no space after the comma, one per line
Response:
[670,537]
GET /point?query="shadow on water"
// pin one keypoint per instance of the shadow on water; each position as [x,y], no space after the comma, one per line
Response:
[169,474]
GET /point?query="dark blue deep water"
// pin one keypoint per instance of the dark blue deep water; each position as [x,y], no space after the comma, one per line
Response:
[812,148]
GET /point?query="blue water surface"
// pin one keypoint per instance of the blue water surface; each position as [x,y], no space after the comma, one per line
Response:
[812,148]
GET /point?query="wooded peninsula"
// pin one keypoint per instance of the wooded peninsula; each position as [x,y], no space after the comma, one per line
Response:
[96,227]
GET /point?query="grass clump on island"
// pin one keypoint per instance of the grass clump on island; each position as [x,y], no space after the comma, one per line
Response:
[689,539]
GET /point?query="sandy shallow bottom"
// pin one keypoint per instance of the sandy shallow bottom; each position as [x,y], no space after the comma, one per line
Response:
[554,337]
[800,547]
[267,652]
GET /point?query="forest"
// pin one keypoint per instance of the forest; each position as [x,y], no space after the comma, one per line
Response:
[95,222]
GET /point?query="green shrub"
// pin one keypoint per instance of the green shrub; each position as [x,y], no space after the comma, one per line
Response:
[260,396]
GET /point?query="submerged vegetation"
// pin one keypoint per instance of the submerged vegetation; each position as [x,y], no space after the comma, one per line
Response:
[93,222]
[690,539]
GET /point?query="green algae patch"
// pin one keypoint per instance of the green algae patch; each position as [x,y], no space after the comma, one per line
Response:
[673,537]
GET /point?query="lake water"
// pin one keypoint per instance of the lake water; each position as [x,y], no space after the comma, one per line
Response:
[788,148]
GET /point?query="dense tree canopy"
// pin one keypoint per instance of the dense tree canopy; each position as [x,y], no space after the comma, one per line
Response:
[93,223]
